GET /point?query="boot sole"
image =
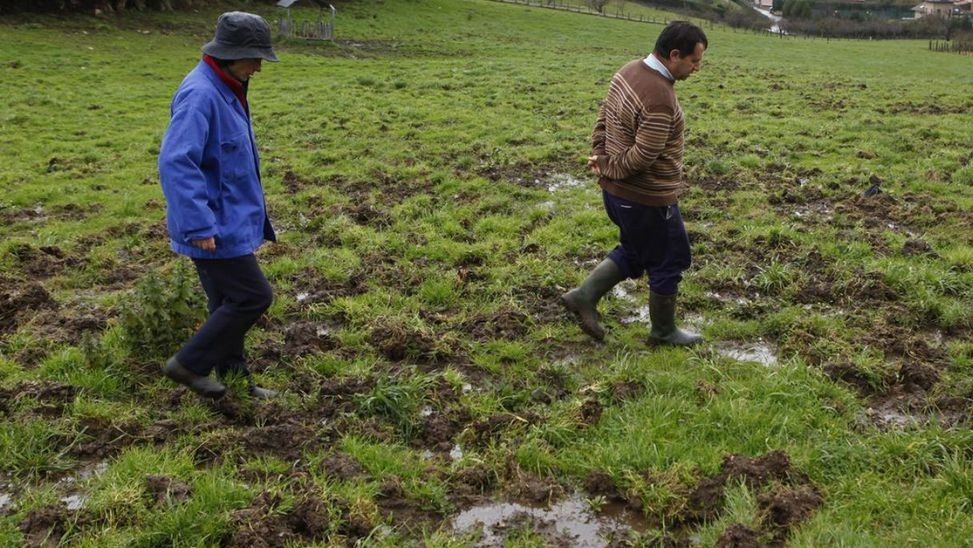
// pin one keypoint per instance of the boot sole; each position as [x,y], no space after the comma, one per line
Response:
[566,303]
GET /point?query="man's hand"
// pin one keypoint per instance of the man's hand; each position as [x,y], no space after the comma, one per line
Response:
[593,165]
[209,244]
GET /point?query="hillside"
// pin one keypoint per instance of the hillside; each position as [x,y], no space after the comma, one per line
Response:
[426,175]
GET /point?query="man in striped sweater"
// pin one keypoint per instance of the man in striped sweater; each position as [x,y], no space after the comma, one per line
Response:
[637,149]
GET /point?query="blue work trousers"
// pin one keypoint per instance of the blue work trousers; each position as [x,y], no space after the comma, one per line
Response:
[237,293]
[653,240]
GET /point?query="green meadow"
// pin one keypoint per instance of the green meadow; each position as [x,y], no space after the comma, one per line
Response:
[426,175]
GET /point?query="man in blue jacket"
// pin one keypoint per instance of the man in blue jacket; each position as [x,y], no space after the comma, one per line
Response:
[216,214]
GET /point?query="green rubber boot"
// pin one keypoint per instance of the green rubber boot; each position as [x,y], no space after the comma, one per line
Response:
[583,301]
[662,312]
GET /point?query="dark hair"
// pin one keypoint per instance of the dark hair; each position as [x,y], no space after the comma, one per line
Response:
[681,36]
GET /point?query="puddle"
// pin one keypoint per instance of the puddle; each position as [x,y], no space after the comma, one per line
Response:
[5,501]
[302,296]
[759,352]
[428,455]
[624,291]
[467,388]
[426,411]
[571,522]
[456,453]
[892,419]
[74,502]
[639,315]
[562,181]
[96,469]
[741,301]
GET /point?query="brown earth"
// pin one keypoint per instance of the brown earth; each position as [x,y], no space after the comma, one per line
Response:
[264,524]
[18,303]
[165,490]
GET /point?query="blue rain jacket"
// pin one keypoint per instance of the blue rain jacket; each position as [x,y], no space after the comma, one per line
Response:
[210,171]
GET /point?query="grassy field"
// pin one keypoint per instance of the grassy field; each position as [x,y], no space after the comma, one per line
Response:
[426,175]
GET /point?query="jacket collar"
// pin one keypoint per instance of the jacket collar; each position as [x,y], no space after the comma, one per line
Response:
[221,86]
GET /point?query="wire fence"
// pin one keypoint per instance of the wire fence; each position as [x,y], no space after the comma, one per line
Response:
[618,13]
[961,47]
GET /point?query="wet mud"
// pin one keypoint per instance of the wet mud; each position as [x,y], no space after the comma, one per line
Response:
[266,523]
[786,496]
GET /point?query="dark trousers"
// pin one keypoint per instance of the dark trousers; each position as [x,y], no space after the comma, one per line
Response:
[653,240]
[237,293]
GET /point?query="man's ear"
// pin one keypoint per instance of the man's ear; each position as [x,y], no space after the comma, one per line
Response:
[675,55]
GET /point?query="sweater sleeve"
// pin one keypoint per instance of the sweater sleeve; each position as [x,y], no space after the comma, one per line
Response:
[598,135]
[650,140]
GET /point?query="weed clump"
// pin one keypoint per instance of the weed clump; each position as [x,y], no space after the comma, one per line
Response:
[160,314]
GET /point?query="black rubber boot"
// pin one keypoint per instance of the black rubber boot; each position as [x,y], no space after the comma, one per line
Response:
[662,312]
[583,301]
[204,386]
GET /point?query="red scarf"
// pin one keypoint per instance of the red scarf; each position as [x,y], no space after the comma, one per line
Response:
[235,85]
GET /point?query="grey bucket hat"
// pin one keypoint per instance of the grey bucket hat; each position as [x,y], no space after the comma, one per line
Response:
[241,35]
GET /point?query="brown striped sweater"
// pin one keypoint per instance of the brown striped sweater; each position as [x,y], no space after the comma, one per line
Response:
[638,138]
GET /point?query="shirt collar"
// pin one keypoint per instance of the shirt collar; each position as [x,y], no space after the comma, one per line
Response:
[655,64]
[237,87]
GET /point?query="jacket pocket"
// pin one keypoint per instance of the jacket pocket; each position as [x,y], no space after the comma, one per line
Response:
[236,158]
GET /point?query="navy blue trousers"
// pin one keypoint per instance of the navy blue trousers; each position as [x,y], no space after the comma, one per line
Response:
[653,240]
[237,293]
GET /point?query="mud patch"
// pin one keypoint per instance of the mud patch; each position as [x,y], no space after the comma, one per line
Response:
[705,502]
[739,536]
[47,525]
[491,427]
[101,438]
[505,324]
[266,523]
[784,509]
[469,484]
[397,342]
[16,304]
[305,337]
[42,262]
[52,397]
[165,490]
[570,522]
[342,467]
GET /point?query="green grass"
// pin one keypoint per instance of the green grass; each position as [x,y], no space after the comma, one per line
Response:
[407,168]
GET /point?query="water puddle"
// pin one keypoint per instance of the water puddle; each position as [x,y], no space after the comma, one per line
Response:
[570,522]
[74,501]
[892,419]
[562,181]
[759,352]
[456,453]
[5,501]
[639,315]
[624,291]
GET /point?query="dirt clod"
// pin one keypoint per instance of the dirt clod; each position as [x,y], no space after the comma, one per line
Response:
[784,509]
[163,489]
[738,536]
[16,303]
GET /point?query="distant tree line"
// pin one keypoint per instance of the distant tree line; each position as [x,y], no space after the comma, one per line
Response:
[90,6]
[926,27]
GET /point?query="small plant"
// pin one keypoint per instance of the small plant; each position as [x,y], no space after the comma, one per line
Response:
[161,313]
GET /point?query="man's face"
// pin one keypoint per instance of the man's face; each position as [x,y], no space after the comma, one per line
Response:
[682,67]
[243,69]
